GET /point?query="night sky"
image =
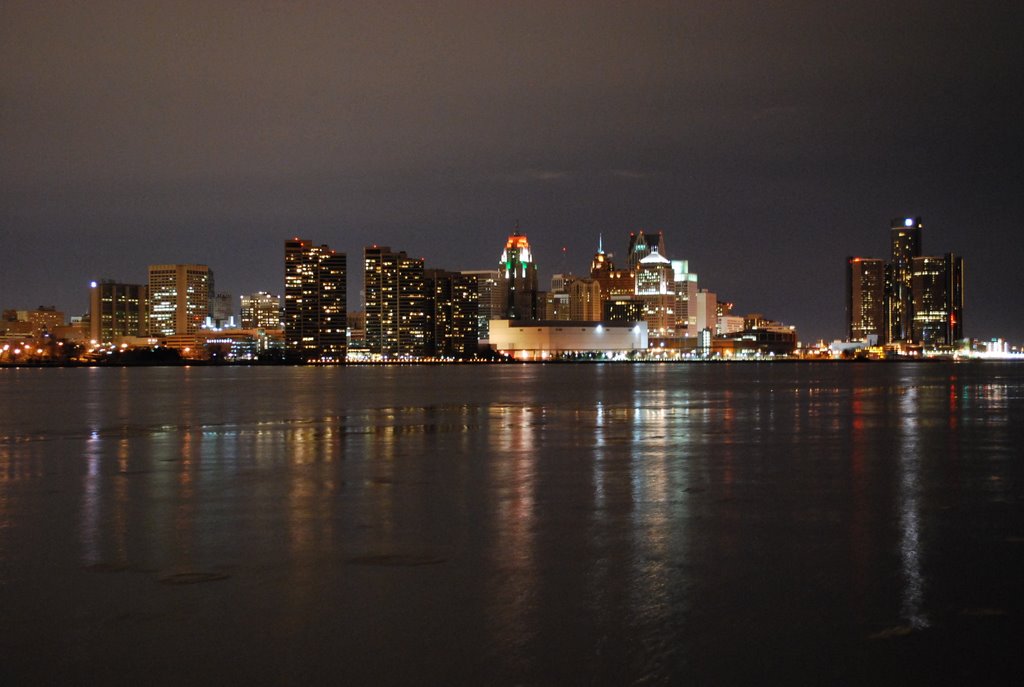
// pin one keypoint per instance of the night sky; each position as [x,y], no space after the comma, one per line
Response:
[768,140]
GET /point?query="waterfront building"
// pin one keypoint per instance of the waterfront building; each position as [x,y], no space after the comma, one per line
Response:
[865,299]
[542,339]
[261,310]
[315,300]
[905,245]
[117,310]
[519,279]
[490,299]
[397,303]
[179,298]
[453,311]
[937,283]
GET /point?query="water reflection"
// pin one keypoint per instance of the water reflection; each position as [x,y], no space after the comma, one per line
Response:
[910,520]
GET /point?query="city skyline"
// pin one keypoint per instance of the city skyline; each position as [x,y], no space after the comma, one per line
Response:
[766,143]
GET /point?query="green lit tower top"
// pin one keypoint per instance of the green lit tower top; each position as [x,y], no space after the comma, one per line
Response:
[519,278]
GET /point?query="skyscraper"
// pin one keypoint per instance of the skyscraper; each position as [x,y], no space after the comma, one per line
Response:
[490,299]
[654,285]
[261,310]
[865,299]
[905,243]
[117,310]
[519,279]
[397,303]
[643,244]
[179,298]
[315,300]
[938,290]
[453,313]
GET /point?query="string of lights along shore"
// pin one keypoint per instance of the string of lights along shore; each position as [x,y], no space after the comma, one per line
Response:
[645,305]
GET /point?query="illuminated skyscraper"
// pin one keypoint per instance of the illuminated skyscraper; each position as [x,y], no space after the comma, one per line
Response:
[905,242]
[397,302]
[519,279]
[453,313]
[641,245]
[938,288]
[179,298]
[117,310]
[865,299]
[261,310]
[615,284]
[315,299]
[490,299]
[654,285]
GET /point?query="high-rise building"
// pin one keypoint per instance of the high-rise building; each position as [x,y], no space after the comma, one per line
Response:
[706,304]
[654,285]
[117,310]
[490,299]
[519,279]
[453,313]
[865,299]
[585,300]
[179,298]
[905,244]
[397,302]
[261,310]
[643,244]
[938,287]
[685,286]
[315,300]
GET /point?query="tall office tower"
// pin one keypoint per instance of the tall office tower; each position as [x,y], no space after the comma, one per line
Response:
[585,300]
[905,242]
[938,287]
[615,284]
[396,303]
[490,299]
[261,310]
[685,286]
[865,299]
[641,245]
[654,285]
[452,313]
[706,304]
[519,279]
[179,298]
[117,310]
[315,300]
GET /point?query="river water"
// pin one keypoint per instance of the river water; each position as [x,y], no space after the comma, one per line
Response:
[513,524]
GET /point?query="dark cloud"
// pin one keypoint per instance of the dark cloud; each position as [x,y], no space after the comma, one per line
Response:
[768,140]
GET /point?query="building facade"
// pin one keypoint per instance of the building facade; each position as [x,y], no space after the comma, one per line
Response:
[905,245]
[453,314]
[117,310]
[397,302]
[865,299]
[261,310]
[937,284]
[315,300]
[519,279]
[179,298]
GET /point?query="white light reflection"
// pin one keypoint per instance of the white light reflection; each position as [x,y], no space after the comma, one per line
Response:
[910,525]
